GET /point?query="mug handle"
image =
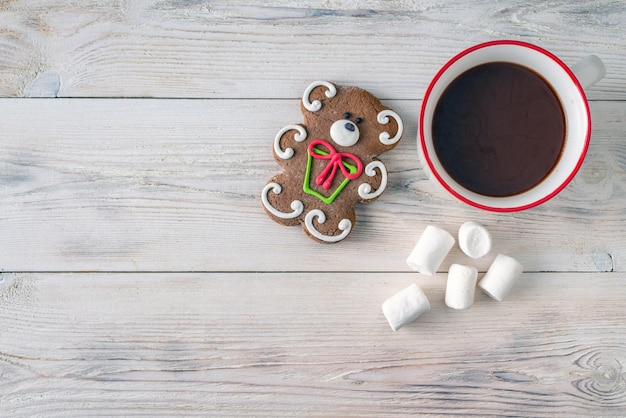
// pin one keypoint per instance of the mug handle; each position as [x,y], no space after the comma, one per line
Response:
[589,71]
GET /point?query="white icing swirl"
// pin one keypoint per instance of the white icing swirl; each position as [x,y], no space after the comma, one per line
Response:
[383,117]
[316,104]
[296,205]
[287,153]
[365,190]
[344,225]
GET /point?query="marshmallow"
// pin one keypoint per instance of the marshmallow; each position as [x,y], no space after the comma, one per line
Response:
[430,250]
[501,276]
[461,286]
[474,239]
[405,306]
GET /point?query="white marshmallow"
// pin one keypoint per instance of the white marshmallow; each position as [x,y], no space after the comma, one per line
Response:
[461,286]
[405,306]
[501,276]
[474,239]
[430,250]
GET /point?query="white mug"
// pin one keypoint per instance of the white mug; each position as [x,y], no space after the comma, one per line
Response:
[568,85]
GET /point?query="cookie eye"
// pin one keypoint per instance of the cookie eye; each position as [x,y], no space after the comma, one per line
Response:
[346,115]
[358,120]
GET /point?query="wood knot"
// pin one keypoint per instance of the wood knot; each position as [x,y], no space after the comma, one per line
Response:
[46,84]
[595,182]
[604,381]
[596,172]
[15,289]
[604,261]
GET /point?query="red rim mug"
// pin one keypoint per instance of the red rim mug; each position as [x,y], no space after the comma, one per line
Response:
[567,83]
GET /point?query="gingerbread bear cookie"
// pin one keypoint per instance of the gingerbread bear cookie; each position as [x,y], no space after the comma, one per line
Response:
[329,163]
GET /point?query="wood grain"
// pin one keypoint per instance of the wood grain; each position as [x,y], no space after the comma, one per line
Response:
[198,344]
[254,49]
[140,276]
[174,185]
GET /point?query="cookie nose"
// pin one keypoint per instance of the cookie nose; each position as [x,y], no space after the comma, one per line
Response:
[345,133]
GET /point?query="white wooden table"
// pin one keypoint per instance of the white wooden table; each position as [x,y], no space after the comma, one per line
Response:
[141,276]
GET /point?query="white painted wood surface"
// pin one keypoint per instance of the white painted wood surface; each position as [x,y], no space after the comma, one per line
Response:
[140,275]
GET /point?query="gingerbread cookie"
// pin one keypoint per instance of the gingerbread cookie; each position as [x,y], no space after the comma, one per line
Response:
[329,162]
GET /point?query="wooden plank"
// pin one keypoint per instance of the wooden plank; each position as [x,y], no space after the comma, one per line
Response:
[257,49]
[271,344]
[172,185]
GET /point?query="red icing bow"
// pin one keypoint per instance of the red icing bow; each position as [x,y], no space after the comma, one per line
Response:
[326,177]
